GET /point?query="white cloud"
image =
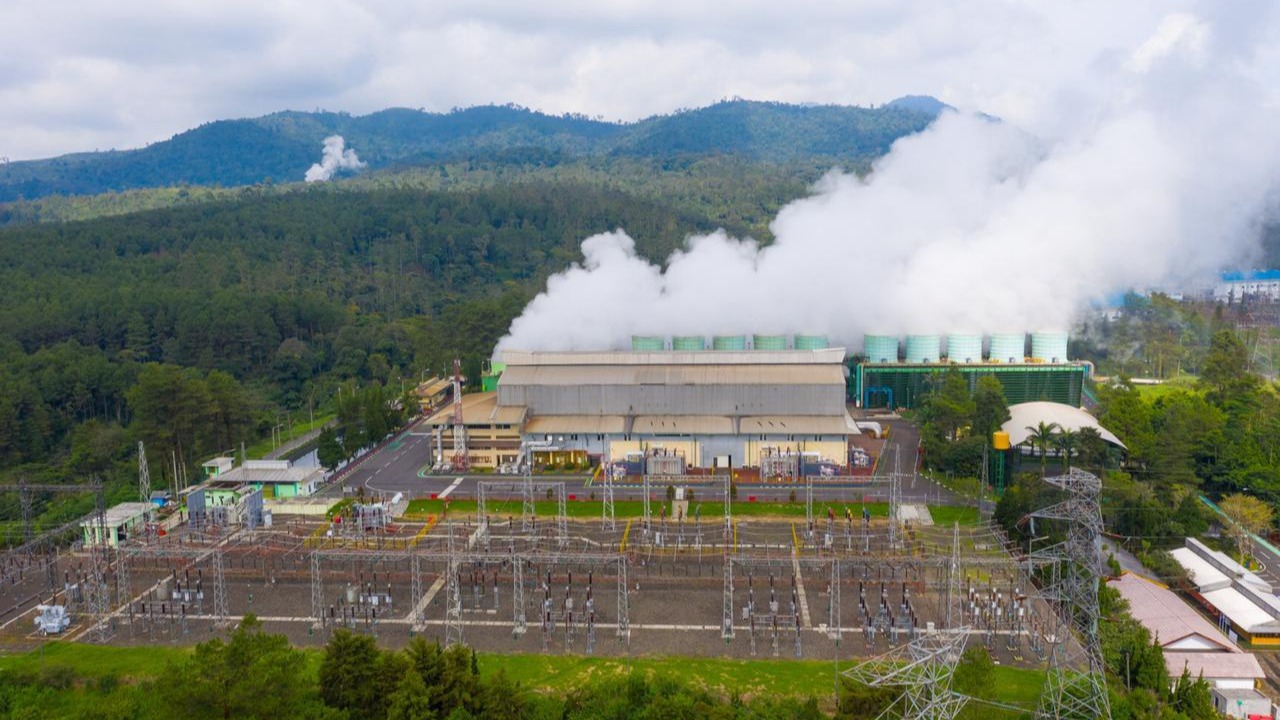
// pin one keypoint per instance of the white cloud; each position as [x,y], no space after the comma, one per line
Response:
[78,75]
[1161,164]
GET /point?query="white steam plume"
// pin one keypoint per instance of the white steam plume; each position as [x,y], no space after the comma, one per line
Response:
[336,157]
[1158,173]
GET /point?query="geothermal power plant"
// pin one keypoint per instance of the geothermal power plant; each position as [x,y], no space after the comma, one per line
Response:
[785,404]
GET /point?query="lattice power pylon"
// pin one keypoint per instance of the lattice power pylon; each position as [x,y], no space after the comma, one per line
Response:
[317,592]
[607,513]
[925,667]
[221,611]
[895,489]
[461,459]
[144,475]
[416,611]
[528,512]
[1077,687]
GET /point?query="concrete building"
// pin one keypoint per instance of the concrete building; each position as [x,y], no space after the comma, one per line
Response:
[120,522]
[1257,286]
[493,433]
[665,411]
[276,478]
[1245,604]
[1194,645]
[433,393]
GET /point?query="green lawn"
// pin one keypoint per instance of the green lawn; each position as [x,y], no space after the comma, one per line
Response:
[1182,383]
[555,674]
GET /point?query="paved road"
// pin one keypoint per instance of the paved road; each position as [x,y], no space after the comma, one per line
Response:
[402,466]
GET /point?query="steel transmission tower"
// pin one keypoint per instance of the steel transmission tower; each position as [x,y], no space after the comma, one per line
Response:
[144,476]
[925,667]
[1077,686]
[461,460]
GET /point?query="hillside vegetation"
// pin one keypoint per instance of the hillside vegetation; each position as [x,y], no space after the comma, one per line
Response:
[280,147]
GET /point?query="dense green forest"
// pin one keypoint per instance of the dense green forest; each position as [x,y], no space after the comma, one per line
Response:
[283,145]
[197,328]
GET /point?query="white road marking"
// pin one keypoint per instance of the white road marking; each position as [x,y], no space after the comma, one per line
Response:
[449,489]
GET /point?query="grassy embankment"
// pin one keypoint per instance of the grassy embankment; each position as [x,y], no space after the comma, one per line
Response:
[548,674]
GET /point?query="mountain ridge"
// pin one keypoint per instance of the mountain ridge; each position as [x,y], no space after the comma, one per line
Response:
[280,146]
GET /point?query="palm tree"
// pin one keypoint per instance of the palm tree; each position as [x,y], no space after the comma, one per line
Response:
[1067,440]
[1041,438]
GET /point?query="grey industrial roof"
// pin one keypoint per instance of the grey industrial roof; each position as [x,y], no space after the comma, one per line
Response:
[271,476]
[120,514]
[1214,665]
[1026,415]
[575,375]
[826,356]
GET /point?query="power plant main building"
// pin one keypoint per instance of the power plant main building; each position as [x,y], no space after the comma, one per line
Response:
[664,411]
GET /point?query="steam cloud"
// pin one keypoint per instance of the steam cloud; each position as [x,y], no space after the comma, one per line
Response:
[336,157]
[1156,170]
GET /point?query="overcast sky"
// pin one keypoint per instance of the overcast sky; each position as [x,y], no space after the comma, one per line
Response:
[93,75]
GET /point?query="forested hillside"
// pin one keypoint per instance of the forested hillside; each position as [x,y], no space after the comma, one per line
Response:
[280,147]
[219,317]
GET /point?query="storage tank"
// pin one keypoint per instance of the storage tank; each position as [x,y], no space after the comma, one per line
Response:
[688,342]
[648,343]
[1049,346]
[729,342]
[1008,347]
[964,348]
[769,342]
[880,348]
[924,348]
[811,342]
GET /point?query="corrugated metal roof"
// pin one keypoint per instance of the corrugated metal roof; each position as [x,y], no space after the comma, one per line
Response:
[575,375]
[683,425]
[272,476]
[433,387]
[122,513]
[1165,614]
[1214,665]
[588,424]
[1205,576]
[480,409]
[825,356]
[798,425]
[1242,611]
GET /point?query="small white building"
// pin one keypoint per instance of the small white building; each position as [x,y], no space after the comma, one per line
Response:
[276,478]
[120,522]
[1246,604]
